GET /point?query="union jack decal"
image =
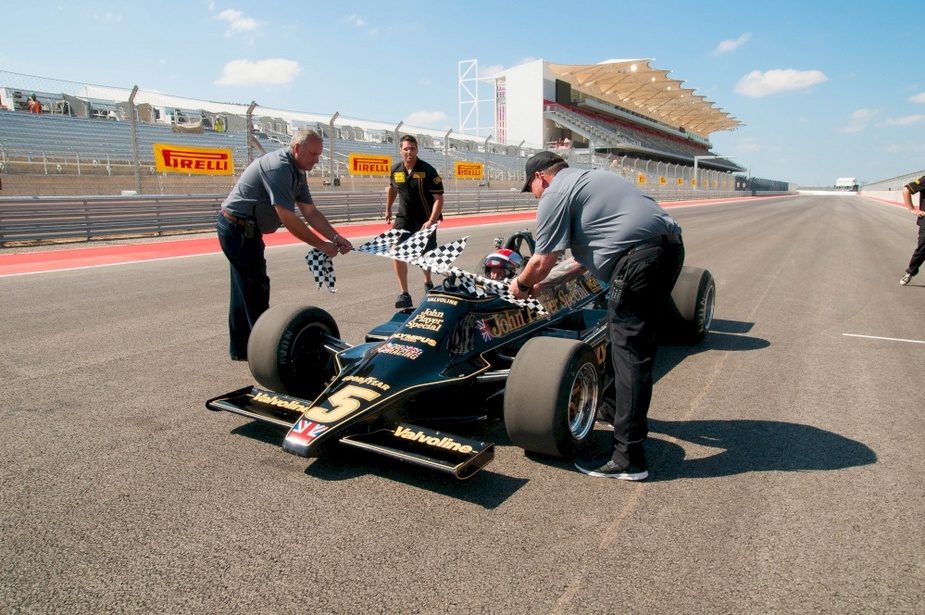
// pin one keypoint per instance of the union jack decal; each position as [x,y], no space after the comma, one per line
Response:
[306,430]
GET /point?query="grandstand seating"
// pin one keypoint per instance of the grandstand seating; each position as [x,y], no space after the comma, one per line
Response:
[58,135]
[32,137]
[606,132]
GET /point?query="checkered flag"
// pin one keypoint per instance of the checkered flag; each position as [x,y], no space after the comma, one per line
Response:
[439,259]
[413,247]
[485,287]
[381,245]
[322,269]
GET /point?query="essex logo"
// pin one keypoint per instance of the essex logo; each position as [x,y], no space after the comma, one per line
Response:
[366,164]
[193,160]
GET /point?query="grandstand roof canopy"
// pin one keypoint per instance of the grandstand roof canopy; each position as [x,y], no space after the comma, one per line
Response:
[636,86]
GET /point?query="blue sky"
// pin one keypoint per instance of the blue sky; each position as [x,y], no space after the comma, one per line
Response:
[825,89]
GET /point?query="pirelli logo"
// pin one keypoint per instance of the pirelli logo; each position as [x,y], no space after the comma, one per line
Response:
[366,164]
[470,170]
[194,160]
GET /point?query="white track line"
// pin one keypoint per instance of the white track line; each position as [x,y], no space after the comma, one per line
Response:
[889,339]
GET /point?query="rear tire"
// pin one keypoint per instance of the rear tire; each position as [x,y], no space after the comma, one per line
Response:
[694,297]
[551,396]
[286,352]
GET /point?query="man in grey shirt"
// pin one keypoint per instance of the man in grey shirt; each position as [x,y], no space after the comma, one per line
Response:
[624,238]
[265,197]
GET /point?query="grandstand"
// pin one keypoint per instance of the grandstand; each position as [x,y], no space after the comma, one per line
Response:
[622,115]
[608,110]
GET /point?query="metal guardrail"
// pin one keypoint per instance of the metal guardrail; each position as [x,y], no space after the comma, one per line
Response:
[46,219]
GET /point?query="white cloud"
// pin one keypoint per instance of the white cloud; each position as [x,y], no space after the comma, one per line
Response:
[355,20]
[731,44]
[918,98]
[858,120]
[747,145]
[427,119]
[906,120]
[108,17]
[757,84]
[274,71]
[238,23]
[489,71]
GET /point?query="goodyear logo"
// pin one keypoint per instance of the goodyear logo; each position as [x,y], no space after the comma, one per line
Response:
[470,170]
[193,160]
[365,164]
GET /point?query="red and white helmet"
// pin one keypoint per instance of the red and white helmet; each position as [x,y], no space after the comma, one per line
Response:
[509,260]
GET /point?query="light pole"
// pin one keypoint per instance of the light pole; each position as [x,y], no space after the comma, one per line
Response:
[487,174]
[698,159]
[331,148]
[446,154]
[250,131]
[135,163]
[397,142]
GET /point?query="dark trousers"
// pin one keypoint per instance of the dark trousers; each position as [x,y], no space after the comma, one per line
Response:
[250,285]
[918,257]
[648,275]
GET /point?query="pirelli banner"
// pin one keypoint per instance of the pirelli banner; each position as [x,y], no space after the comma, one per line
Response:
[194,160]
[470,170]
[369,164]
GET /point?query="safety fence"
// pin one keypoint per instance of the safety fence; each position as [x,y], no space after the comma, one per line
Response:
[51,219]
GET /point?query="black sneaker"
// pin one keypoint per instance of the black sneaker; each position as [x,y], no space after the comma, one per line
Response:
[608,468]
[428,286]
[403,301]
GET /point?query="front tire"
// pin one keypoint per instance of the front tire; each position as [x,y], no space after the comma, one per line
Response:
[286,352]
[551,396]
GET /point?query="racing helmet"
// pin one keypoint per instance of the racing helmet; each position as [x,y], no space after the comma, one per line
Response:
[509,260]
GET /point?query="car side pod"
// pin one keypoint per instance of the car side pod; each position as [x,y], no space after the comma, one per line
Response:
[429,448]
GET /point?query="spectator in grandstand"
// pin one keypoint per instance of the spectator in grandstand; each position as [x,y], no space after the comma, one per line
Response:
[34,105]
[918,256]
[265,196]
[502,264]
[419,189]
[623,237]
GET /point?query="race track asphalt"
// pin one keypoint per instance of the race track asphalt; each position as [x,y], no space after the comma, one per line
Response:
[786,450]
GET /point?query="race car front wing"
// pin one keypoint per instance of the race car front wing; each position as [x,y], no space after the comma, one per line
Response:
[438,450]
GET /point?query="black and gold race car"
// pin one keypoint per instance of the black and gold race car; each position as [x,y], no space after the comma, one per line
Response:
[468,352]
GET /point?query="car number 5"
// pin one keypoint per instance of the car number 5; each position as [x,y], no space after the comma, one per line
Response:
[343,403]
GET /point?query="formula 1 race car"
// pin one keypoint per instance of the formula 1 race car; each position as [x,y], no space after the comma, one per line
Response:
[469,352]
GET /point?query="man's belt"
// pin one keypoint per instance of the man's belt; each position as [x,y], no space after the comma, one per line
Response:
[235,219]
[660,240]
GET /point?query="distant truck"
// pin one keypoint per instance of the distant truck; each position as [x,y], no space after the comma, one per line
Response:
[846,183]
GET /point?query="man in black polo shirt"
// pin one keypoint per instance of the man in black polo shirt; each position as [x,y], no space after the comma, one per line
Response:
[420,205]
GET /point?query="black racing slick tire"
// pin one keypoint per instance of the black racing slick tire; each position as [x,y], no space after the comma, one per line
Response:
[694,297]
[286,351]
[551,396]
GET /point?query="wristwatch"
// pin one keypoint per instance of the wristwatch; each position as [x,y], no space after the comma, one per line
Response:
[522,287]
